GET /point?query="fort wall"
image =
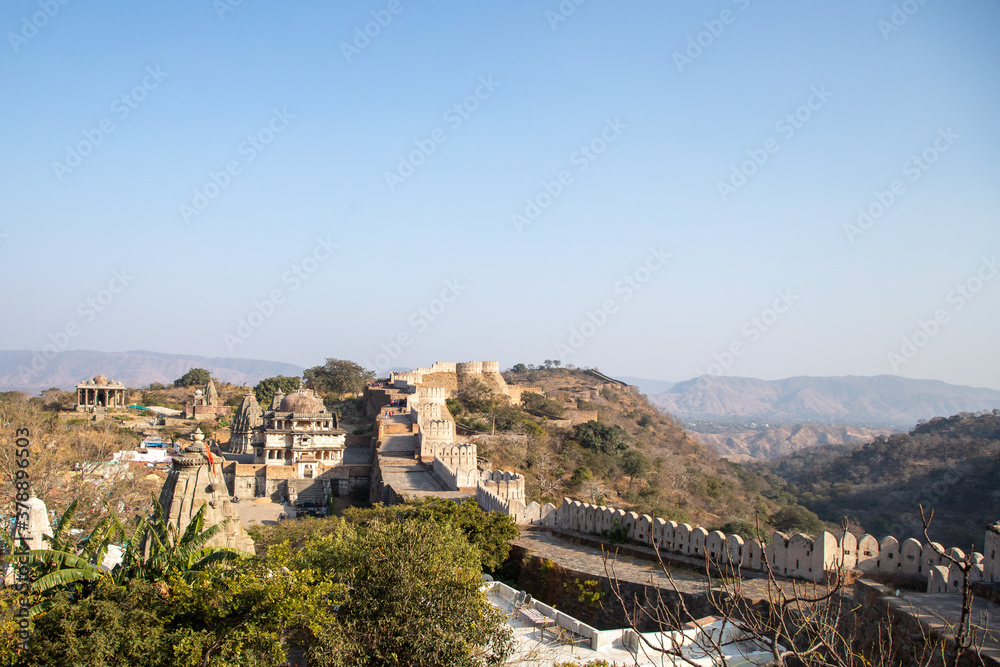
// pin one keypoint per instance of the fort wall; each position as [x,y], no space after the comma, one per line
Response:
[796,556]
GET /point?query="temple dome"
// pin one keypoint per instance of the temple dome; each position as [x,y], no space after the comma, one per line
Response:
[100,379]
[301,402]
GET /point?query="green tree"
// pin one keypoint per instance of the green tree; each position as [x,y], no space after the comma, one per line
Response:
[477,396]
[490,532]
[635,464]
[116,627]
[413,597]
[519,368]
[581,475]
[747,530]
[600,437]
[339,376]
[195,376]
[539,403]
[797,519]
[152,551]
[231,617]
[267,388]
[244,616]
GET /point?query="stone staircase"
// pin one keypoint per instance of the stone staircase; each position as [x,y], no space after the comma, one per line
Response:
[309,491]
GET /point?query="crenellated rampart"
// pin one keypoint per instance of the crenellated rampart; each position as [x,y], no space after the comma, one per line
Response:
[455,467]
[503,491]
[797,556]
[434,435]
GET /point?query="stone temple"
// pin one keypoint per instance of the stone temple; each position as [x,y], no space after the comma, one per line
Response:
[99,394]
[206,404]
[195,480]
[248,418]
[300,432]
[300,453]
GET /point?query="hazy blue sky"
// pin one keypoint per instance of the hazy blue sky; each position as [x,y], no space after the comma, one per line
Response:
[510,168]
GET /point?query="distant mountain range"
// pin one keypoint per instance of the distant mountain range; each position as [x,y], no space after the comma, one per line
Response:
[134,368]
[882,401]
[740,444]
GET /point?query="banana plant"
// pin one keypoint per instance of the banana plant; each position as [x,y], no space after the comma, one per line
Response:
[165,552]
[152,551]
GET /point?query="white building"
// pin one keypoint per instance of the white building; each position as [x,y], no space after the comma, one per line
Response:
[299,431]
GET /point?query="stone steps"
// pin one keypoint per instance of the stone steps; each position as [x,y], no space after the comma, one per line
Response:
[308,491]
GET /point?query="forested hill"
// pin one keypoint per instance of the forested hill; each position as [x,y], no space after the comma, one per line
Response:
[948,464]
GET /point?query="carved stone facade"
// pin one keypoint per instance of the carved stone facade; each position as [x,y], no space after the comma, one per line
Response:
[196,480]
[248,417]
[300,432]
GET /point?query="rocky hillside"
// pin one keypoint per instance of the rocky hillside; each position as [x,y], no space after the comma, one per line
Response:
[134,369]
[883,401]
[605,443]
[743,444]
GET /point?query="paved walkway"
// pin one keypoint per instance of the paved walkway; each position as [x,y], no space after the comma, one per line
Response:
[591,560]
[941,612]
[261,511]
[398,446]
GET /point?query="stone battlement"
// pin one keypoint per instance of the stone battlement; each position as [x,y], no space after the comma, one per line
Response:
[504,484]
[431,395]
[470,368]
[423,412]
[797,556]
[455,467]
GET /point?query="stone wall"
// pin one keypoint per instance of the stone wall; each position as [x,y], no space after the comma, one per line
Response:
[796,556]
[434,435]
[503,491]
[431,395]
[469,368]
[424,412]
